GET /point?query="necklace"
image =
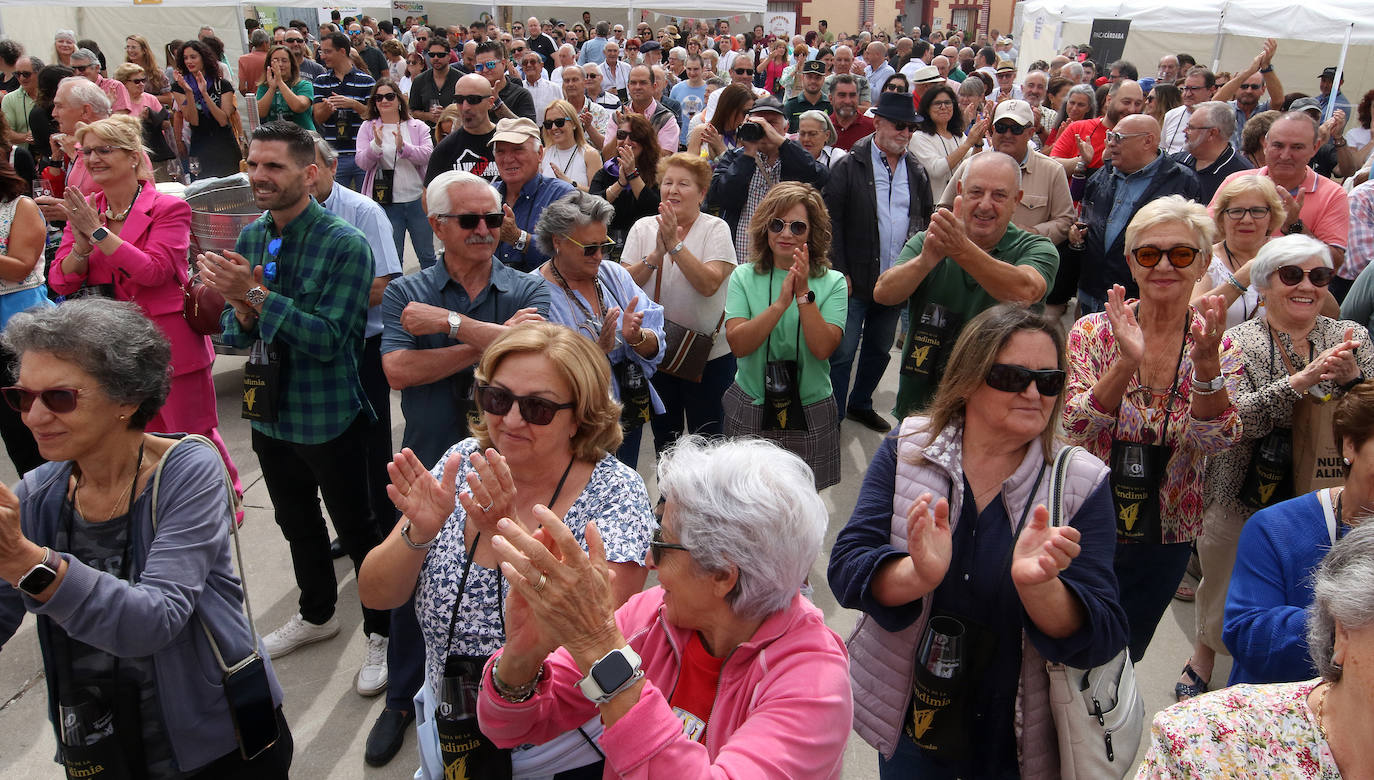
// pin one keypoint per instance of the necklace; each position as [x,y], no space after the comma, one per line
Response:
[112,217]
[138,467]
[1321,708]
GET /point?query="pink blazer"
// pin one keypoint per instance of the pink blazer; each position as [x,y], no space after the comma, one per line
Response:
[148,269]
[419,146]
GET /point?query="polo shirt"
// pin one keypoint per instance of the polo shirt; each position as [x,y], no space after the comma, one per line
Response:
[340,129]
[518,100]
[16,107]
[950,286]
[534,197]
[847,137]
[1210,178]
[1325,211]
[794,108]
[434,420]
[315,309]
[424,94]
[362,212]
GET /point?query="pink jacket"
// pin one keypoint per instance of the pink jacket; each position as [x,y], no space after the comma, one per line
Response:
[783,708]
[419,146]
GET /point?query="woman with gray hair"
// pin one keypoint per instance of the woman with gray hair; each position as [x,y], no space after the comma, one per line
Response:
[1079,103]
[723,669]
[1314,728]
[64,46]
[127,599]
[816,134]
[601,301]
[1289,353]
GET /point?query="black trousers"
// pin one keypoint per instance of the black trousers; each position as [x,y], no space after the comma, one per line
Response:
[296,476]
[379,445]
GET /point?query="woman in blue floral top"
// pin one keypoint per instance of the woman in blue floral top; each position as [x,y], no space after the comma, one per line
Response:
[548,427]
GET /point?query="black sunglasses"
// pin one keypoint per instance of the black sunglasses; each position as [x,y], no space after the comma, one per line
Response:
[535,410]
[59,400]
[744,71]
[386,96]
[469,221]
[1015,379]
[1010,127]
[796,226]
[621,134]
[1290,275]
[550,124]
[472,100]
[656,544]
[295,40]
[1180,256]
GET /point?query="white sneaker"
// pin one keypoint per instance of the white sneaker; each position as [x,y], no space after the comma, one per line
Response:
[372,677]
[296,633]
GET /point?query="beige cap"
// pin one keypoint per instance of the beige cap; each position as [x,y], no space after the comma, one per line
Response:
[1018,111]
[515,131]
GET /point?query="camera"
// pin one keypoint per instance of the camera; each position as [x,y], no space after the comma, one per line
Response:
[749,131]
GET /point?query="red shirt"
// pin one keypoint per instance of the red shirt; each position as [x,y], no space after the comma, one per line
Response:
[695,692]
[1091,129]
[848,136]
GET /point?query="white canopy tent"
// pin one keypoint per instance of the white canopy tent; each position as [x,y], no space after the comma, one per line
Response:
[1224,34]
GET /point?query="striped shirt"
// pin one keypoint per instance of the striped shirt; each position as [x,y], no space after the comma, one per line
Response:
[340,129]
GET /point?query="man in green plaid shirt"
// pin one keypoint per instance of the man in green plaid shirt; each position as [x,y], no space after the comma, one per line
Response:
[299,283]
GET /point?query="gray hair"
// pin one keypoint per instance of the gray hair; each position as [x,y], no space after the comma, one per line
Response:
[677,53]
[603,28]
[567,48]
[1342,592]
[819,116]
[86,55]
[1219,115]
[258,38]
[748,505]
[1073,71]
[324,150]
[972,87]
[1286,250]
[437,197]
[568,213]
[88,92]
[66,35]
[135,368]
[836,50]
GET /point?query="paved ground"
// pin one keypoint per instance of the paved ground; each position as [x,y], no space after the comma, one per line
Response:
[330,721]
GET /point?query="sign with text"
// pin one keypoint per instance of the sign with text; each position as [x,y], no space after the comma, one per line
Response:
[781,24]
[1108,40]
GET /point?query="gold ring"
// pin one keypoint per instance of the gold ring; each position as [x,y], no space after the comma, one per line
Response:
[543,580]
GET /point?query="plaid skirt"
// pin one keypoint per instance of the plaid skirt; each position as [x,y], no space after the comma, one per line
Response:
[818,445]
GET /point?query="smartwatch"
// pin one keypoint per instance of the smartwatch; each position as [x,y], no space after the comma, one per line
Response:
[37,579]
[256,295]
[807,297]
[454,320]
[616,671]
[99,234]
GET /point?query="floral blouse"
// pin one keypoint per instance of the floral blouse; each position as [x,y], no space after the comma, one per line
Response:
[614,497]
[1092,350]
[1264,399]
[1241,731]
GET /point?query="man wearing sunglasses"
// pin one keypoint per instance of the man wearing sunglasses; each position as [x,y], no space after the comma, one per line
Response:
[18,103]
[968,260]
[296,42]
[1245,90]
[87,64]
[468,147]
[1136,173]
[595,118]
[433,90]
[859,196]
[512,100]
[1046,206]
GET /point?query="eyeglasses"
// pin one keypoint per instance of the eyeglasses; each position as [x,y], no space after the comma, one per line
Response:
[1290,275]
[550,124]
[1015,379]
[1191,89]
[386,97]
[744,71]
[99,151]
[1252,86]
[1254,212]
[469,221]
[942,104]
[621,134]
[796,226]
[534,410]
[1114,137]
[489,65]
[1196,128]
[1180,256]
[886,87]
[471,100]
[590,250]
[656,544]
[143,80]
[1010,127]
[95,65]
[58,400]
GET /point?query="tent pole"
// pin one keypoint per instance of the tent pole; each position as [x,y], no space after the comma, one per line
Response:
[1216,49]
[1340,73]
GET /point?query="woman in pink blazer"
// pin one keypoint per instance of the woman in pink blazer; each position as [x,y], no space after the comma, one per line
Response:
[129,243]
[394,150]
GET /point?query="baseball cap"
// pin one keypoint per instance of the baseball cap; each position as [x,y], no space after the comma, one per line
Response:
[515,131]
[764,105]
[1018,111]
[1306,104]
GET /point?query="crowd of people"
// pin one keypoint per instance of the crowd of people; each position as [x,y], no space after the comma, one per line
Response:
[1159,284]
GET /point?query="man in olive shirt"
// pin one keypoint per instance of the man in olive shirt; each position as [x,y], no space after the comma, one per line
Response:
[968,260]
[813,78]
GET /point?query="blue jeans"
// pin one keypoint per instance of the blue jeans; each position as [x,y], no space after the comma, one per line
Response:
[697,402]
[1089,304]
[1148,575]
[411,216]
[876,324]
[349,174]
[628,452]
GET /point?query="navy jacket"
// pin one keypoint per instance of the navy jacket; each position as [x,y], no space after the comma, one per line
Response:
[730,182]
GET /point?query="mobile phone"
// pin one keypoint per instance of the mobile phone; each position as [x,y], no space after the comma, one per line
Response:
[250,706]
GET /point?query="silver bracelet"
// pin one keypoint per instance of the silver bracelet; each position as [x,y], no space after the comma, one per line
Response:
[519,693]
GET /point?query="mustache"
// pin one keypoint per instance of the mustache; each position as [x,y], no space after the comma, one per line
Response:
[487,239]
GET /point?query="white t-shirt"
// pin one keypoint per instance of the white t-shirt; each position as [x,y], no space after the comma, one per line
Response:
[708,240]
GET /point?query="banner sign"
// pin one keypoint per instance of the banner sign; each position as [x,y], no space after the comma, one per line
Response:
[780,24]
[1108,40]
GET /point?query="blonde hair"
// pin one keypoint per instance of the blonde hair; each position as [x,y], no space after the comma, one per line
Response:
[1244,185]
[779,200]
[569,113]
[122,132]
[581,364]
[697,168]
[453,114]
[127,71]
[1175,208]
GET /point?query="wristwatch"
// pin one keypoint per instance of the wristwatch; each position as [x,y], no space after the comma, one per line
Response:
[522,241]
[405,537]
[37,579]
[1296,227]
[807,297]
[675,249]
[616,671]
[99,234]
[454,320]
[1203,387]
[256,295]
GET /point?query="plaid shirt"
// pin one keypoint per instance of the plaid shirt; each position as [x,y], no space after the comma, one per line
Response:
[765,178]
[1360,243]
[316,307]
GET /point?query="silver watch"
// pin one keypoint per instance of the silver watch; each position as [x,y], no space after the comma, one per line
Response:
[405,537]
[256,296]
[454,320]
[1209,386]
[675,249]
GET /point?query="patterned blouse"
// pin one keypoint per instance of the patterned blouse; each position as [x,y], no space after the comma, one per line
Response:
[1092,350]
[1241,731]
[1264,398]
[614,497]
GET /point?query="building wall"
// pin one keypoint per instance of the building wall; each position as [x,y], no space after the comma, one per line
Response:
[843,15]
[999,13]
